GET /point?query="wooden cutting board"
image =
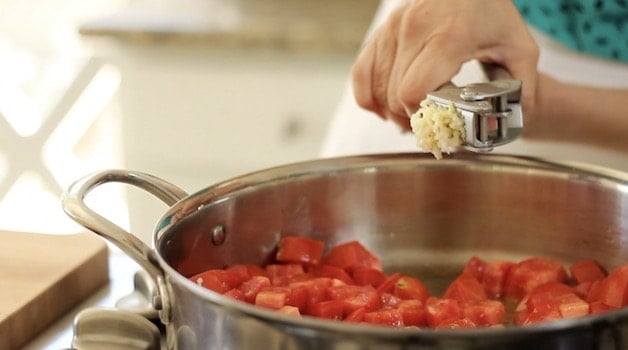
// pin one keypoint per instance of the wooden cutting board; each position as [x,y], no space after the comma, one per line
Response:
[42,277]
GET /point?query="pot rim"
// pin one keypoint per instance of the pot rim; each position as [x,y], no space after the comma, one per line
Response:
[221,190]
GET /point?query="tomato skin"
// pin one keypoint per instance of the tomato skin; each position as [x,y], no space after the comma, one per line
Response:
[407,287]
[301,250]
[465,288]
[587,271]
[351,255]
[528,274]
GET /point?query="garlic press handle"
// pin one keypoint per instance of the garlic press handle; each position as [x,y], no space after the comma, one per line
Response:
[491,110]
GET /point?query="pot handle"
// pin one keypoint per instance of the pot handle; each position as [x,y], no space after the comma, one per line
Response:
[74,206]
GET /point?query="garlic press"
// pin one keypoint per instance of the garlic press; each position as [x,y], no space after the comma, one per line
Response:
[491,111]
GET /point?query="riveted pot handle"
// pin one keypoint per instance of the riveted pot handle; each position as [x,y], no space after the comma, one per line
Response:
[73,202]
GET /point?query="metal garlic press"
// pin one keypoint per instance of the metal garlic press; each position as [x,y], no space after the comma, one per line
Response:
[491,111]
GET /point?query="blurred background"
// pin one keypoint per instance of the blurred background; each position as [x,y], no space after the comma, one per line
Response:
[192,91]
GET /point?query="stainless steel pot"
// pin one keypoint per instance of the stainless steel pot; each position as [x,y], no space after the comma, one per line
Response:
[420,215]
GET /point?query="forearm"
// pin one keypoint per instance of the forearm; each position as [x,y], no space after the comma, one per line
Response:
[580,114]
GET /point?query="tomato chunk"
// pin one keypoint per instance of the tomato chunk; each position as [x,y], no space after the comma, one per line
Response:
[330,309]
[494,277]
[348,284]
[612,290]
[438,311]
[391,317]
[219,280]
[485,313]
[303,250]
[351,255]
[587,271]
[524,276]
[466,288]
[407,287]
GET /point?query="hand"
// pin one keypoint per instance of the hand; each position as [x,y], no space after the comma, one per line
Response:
[423,44]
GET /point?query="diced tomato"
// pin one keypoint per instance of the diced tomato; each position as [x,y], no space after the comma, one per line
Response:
[388,286]
[475,266]
[277,271]
[438,310]
[595,291]
[389,301]
[494,277]
[235,294]
[330,309]
[412,312]
[248,270]
[570,306]
[346,291]
[356,316]
[272,298]
[485,313]
[389,317]
[348,284]
[555,289]
[550,301]
[598,307]
[587,271]
[251,287]
[355,297]
[298,297]
[289,310]
[456,323]
[303,250]
[407,287]
[315,291]
[612,290]
[368,276]
[465,288]
[351,255]
[582,289]
[219,280]
[539,307]
[332,272]
[524,276]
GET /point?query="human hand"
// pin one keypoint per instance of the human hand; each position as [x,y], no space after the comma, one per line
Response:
[423,44]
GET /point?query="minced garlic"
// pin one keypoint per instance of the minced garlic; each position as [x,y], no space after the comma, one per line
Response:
[437,129]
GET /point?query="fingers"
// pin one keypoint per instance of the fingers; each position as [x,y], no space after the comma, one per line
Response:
[372,69]
[424,43]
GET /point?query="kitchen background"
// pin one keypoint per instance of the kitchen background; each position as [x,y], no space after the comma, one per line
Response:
[193,91]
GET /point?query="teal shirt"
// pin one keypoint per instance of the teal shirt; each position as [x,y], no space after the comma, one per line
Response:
[595,27]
